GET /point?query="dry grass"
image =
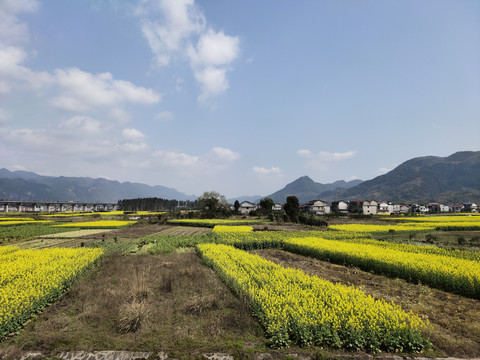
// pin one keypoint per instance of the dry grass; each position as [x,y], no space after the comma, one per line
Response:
[169,303]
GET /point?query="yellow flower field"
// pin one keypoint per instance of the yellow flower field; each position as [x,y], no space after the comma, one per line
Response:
[7,223]
[450,273]
[298,308]
[233,229]
[368,228]
[213,222]
[31,279]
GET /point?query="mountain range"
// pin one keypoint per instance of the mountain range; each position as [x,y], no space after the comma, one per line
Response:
[25,186]
[452,179]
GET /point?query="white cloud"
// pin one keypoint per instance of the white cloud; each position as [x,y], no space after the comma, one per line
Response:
[12,30]
[119,114]
[83,91]
[182,32]
[322,159]
[133,135]
[177,160]
[14,74]
[214,49]
[82,123]
[264,171]
[382,171]
[224,154]
[212,81]
[168,36]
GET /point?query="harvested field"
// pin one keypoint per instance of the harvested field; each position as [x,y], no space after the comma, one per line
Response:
[166,303]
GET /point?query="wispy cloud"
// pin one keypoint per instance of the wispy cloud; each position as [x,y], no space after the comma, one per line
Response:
[12,30]
[264,171]
[182,32]
[323,159]
[382,171]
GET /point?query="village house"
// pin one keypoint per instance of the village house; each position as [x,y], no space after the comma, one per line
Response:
[246,207]
[384,208]
[470,207]
[339,206]
[400,209]
[316,206]
[365,207]
[456,208]
[277,207]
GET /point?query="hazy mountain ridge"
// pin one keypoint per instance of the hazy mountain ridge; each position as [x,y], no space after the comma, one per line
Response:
[305,189]
[25,186]
[452,179]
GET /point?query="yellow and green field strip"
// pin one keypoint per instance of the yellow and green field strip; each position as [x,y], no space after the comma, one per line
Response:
[213,222]
[298,308]
[31,279]
[449,273]
[232,229]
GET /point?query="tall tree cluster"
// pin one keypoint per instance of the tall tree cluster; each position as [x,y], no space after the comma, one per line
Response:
[156,204]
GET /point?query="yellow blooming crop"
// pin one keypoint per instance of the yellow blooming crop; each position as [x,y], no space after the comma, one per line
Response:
[234,229]
[368,228]
[213,222]
[450,273]
[441,219]
[298,308]
[97,224]
[7,223]
[31,279]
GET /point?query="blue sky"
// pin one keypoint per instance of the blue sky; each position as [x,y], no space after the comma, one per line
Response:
[241,97]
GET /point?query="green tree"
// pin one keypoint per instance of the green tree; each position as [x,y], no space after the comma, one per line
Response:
[267,206]
[236,206]
[292,208]
[212,202]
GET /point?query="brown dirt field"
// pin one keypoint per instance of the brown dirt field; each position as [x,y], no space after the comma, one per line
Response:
[455,319]
[170,303]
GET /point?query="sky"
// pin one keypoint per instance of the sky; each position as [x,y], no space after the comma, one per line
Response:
[240,97]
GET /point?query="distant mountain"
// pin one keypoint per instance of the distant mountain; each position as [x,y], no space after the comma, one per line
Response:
[452,179]
[305,189]
[253,199]
[23,185]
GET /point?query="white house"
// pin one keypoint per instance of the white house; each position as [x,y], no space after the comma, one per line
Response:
[400,208]
[277,207]
[385,208]
[246,207]
[340,206]
[317,207]
[365,207]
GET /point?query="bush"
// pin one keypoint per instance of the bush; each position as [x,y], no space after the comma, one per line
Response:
[461,240]
[431,238]
[311,220]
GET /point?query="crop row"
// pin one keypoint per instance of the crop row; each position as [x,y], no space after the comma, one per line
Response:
[213,222]
[449,273]
[298,308]
[31,279]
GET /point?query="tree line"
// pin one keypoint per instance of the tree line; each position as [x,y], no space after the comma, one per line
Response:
[156,204]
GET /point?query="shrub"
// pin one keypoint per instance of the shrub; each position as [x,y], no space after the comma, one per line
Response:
[431,238]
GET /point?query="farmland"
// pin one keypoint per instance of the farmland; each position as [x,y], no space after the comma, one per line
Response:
[191,290]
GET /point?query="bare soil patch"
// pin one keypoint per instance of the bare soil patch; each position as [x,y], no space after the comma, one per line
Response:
[170,303]
[455,319]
